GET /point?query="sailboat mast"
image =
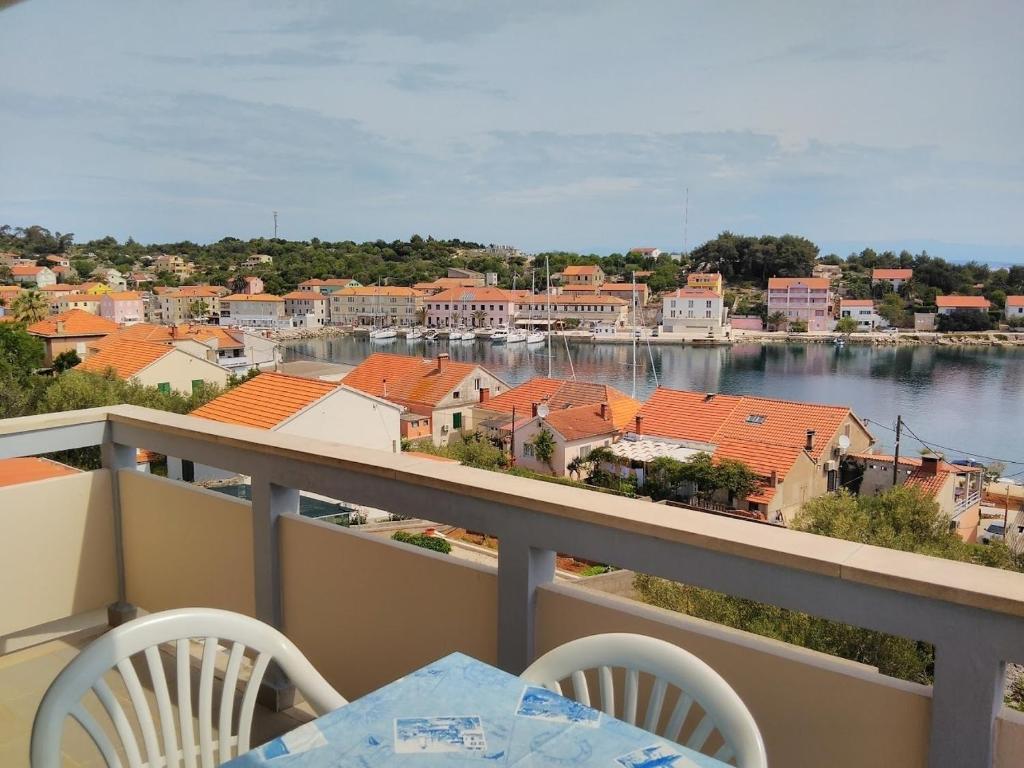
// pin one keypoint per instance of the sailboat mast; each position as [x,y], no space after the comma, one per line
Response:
[633,297]
[547,301]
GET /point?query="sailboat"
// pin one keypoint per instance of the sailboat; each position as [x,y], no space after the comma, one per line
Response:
[534,336]
[413,333]
[500,336]
[382,333]
[516,336]
[469,335]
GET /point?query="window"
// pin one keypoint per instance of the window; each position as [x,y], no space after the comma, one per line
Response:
[476,383]
[456,395]
[457,420]
[707,313]
[164,387]
[755,418]
[709,302]
[197,384]
[527,449]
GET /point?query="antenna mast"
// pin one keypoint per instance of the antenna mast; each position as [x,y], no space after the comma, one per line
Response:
[686,224]
[275,225]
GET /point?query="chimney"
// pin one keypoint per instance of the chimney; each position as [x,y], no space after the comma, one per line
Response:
[533,408]
[485,394]
[639,424]
[774,480]
[60,326]
[930,463]
[709,396]
[442,361]
[809,445]
[604,411]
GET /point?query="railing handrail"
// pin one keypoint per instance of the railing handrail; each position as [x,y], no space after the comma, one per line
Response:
[955,582]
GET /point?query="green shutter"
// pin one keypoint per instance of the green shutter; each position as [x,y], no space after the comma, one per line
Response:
[197,384]
[457,420]
[164,387]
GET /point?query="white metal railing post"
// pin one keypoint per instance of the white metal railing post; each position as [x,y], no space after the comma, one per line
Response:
[967,695]
[521,570]
[116,457]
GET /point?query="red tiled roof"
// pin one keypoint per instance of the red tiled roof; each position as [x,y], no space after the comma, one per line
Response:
[892,274]
[76,322]
[705,293]
[342,281]
[30,468]
[1011,301]
[480,293]
[265,400]
[305,296]
[59,288]
[581,269]
[252,297]
[579,422]
[967,302]
[408,380]
[124,296]
[375,290]
[24,270]
[127,357]
[788,282]
[559,395]
[191,292]
[856,303]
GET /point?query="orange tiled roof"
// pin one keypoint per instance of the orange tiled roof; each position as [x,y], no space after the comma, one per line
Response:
[891,274]
[127,357]
[569,298]
[579,422]
[342,281]
[705,293]
[856,303]
[305,296]
[477,293]
[25,470]
[24,270]
[58,288]
[447,282]
[581,269]
[76,322]
[913,461]
[407,380]
[1011,301]
[374,290]
[191,292]
[124,296]
[252,297]
[762,458]
[779,424]
[559,395]
[788,282]
[265,400]
[968,302]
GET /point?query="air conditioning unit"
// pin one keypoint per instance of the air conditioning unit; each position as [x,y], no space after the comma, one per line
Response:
[831,466]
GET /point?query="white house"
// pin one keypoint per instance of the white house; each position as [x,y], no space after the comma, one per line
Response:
[691,310]
[1014,309]
[155,365]
[309,408]
[863,311]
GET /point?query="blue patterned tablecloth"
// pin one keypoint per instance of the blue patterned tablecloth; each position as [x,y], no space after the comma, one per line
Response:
[459,711]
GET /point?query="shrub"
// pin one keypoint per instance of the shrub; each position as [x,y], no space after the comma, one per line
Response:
[422,540]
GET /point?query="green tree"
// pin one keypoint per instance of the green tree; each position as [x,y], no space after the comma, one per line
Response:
[478,318]
[846,325]
[777,321]
[798,326]
[544,445]
[30,307]
[19,350]
[66,360]
[963,320]
[892,310]
[198,310]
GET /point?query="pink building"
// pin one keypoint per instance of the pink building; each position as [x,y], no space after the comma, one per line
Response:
[122,307]
[474,307]
[802,298]
[253,285]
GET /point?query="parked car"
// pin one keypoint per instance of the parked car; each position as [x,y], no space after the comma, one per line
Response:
[992,531]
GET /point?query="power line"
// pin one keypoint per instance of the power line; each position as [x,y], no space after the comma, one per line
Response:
[933,445]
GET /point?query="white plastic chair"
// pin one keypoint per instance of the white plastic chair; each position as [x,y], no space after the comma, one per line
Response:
[669,665]
[144,635]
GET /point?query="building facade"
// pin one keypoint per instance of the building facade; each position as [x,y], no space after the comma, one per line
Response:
[690,310]
[191,302]
[896,278]
[1014,308]
[122,307]
[29,273]
[376,306]
[585,275]
[306,304]
[263,310]
[807,299]
[948,304]
[471,307]
[863,312]
[533,311]
[709,281]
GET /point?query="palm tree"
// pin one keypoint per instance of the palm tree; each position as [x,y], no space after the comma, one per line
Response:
[198,310]
[776,320]
[478,318]
[576,468]
[30,307]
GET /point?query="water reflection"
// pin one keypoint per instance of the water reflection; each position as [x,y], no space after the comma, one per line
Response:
[967,398]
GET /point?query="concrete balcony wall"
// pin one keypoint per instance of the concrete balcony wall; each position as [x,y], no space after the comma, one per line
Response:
[367,610]
[58,558]
[185,546]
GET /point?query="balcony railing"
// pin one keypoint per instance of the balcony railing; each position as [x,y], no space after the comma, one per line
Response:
[368,610]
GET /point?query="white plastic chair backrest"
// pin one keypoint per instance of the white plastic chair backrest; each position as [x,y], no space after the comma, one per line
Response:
[177,746]
[669,665]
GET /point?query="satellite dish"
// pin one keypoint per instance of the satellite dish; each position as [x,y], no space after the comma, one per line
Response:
[844,442]
[543,410]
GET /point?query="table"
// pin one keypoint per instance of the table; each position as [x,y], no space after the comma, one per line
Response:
[459,711]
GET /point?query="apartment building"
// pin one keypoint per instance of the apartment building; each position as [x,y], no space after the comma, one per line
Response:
[625,291]
[190,302]
[473,307]
[309,306]
[802,298]
[176,265]
[589,275]
[376,306]
[262,310]
[67,301]
[709,281]
[533,310]
[694,310]
[122,307]
[256,260]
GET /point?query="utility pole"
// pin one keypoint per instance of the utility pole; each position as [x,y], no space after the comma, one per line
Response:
[896,454]
[512,441]
[686,222]
[275,225]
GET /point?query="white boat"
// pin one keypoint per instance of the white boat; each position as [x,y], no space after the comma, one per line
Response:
[516,337]
[454,336]
[535,337]
[413,333]
[469,335]
[431,335]
[381,334]
[499,336]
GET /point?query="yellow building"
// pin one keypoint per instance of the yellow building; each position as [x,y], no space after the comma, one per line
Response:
[94,288]
[711,281]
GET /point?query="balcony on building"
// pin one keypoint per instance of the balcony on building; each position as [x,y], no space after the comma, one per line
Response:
[87,548]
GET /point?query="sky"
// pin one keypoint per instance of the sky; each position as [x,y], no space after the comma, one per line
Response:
[577,124]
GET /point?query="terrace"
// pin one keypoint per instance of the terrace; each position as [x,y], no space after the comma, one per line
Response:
[91,546]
